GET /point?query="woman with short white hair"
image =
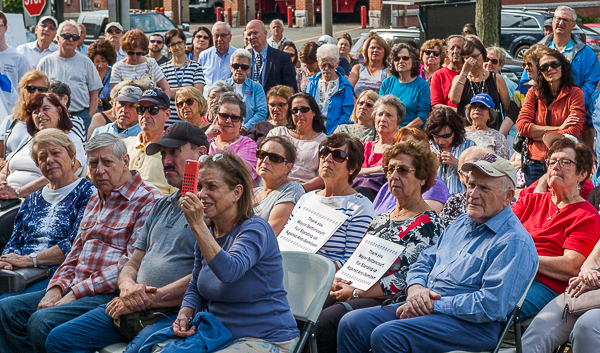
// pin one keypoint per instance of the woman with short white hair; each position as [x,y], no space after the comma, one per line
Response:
[252,92]
[332,91]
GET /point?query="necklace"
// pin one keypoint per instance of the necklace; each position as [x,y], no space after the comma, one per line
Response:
[477,87]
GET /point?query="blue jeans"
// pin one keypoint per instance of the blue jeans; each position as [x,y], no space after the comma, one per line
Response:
[378,329]
[32,288]
[87,119]
[25,329]
[538,296]
[94,330]
[533,170]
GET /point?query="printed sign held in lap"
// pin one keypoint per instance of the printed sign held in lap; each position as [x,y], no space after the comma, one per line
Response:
[369,262]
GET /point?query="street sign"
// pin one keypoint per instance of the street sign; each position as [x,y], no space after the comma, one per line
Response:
[34,7]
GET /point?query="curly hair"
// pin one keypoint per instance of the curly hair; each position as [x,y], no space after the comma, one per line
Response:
[134,38]
[424,161]
[103,48]
[36,102]
[355,151]
[541,85]
[535,53]
[584,156]
[382,43]
[430,45]
[51,137]
[403,133]
[317,123]
[414,56]
[441,117]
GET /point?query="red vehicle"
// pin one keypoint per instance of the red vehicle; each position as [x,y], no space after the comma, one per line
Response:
[338,6]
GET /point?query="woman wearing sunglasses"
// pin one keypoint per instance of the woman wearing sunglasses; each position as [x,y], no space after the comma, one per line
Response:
[446,132]
[180,71]
[202,40]
[276,198]
[137,67]
[13,129]
[410,169]
[494,62]
[340,158]
[252,92]
[432,55]
[191,107]
[306,131]
[279,109]
[554,104]
[405,84]
[364,123]
[531,60]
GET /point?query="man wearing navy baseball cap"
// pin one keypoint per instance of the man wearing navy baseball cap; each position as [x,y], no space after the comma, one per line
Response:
[153,112]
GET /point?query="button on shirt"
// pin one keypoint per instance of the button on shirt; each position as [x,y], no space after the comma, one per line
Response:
[33,53]
[480,271]
[214,66]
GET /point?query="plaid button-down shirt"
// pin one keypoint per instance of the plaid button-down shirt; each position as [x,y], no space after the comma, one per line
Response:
[105,239]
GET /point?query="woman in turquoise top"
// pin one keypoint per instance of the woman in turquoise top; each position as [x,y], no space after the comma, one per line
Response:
[406,84]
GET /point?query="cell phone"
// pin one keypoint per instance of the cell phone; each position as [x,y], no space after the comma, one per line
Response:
[190,177]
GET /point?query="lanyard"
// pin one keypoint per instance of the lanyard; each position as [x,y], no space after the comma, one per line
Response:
[185,65]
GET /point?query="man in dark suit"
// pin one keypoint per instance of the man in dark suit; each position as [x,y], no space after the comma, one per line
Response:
[270,67]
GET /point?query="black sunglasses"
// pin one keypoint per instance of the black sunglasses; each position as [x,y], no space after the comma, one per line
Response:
[403,58]
[233,118]
[136,53]
[243,66]
[273,157]
[401,169]
[301,110]
[555,65]
[429,52]
[338,155]
[32,89]
[202,37]
[444,136]
[153,110]
[187,102]
[156,41]
[113,31]
[493,61]
[67,36]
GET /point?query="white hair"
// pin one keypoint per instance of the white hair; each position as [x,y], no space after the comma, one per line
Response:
[567,8]
[221,23]
[105,139]
[328,51]
[507,184]
[241,53]
[68,23]
[277,21]
[220,86]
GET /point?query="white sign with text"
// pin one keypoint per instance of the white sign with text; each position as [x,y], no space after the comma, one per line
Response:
[369,262]
[311,227]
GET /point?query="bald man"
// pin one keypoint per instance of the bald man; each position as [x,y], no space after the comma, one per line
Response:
[270,67]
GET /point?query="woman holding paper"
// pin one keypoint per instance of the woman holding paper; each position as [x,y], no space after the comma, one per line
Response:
[410,168]
[340,158]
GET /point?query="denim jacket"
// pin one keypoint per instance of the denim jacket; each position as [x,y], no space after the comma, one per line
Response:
[256,102]
[340,104]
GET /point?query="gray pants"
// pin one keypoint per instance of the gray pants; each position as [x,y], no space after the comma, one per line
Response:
[549,330]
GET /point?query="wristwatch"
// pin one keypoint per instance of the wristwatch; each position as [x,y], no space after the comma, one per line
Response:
[18,192]
[34,258]
[355,293]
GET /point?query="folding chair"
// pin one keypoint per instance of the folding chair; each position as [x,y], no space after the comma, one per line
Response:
[307,279]
[513,320]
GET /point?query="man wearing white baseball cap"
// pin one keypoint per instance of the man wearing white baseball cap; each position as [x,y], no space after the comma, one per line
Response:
[113,33]
[45,32]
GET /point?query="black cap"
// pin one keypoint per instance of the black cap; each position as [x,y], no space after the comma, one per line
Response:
[156,96]
[178,135]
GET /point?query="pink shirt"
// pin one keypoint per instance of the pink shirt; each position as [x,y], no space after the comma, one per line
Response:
[245,148]
[372,159]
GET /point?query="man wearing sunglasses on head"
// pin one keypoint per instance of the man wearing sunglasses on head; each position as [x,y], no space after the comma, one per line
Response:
[113,33]
[45,32]
[157,43]
[75,69]
[12,67]
[153,113]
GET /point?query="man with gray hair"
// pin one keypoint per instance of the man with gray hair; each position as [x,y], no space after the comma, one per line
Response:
[77,70]
[111,223]
[215,60]
[277,38]
[126,122]
[461,289]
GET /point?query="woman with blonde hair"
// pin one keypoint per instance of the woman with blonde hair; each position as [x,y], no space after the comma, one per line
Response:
[362,116]
[371,73]
[13,129]
[191,106]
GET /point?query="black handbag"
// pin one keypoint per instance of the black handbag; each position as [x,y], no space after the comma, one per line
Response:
[520,144]
[17,280]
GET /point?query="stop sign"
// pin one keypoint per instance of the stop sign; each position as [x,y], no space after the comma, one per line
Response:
[34,7]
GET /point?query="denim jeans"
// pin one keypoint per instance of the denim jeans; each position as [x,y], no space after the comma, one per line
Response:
[538,296]
[32,288]
[25,329]
[533,170]
[87,119]
[94,330]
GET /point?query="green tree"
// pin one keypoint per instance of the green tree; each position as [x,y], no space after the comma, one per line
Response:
[487,17]
[13,6]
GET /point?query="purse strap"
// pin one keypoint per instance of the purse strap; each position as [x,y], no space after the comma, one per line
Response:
[6,136]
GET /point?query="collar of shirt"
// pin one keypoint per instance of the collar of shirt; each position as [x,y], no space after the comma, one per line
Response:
[229,52]
[263,53]
[567,49]
[128,189]
[51,48]
[494,224]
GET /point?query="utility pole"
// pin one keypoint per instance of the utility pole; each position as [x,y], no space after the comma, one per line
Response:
[327,17]
[118,11]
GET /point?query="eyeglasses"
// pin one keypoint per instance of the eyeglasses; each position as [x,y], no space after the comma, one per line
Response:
[51,28]
[279,105]
[338,155]
[326,66]
[233,118]
[303,110]
[564,163]
[400,169]
[156,41]
[67,36]
[429,52]
[199,36]
[114,31]
[153,110]
[135,53]
[493,61]
[171,45]
[474,56]
[32,89]
[562,19]
[243,66]
[187,102]
[527,64]
[555,65]
[221,35]
[273,157]
[444,136]
[403,58]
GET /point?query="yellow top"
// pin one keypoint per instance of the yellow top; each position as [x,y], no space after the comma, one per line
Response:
[149,167]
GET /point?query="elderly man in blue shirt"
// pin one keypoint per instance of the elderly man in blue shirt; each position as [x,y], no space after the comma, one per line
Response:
[215,60]
[461,289]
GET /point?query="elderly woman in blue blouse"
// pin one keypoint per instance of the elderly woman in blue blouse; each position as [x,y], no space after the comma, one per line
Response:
[238,271]
[332,91]
[251,92]
[446,132]
[406,84]
[48,219]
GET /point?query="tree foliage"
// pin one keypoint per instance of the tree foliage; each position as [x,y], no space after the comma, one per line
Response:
[13,6]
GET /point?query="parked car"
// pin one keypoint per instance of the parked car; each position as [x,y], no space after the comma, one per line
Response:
[592,37]
[391,35]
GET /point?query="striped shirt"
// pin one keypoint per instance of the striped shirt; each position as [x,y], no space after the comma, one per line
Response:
[346,238]
[189,75]
[448,173]
[79,128]
[146,74]
[105,239]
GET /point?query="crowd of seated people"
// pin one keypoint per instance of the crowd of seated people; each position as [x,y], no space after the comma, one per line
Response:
[398,144]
